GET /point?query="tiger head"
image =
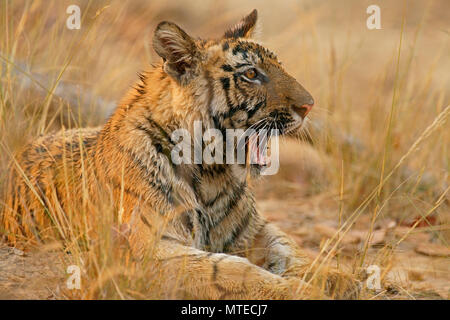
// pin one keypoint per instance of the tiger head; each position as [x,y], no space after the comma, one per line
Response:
[246,85]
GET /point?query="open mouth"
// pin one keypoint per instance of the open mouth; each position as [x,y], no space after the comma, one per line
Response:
[257,151]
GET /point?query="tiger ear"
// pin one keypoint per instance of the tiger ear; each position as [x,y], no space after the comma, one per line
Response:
[177,49]
[244,28]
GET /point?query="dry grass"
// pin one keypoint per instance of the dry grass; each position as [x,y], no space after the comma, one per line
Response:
[379,160]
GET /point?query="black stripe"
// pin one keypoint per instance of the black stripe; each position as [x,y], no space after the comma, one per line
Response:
[227,68]
[233,110]
[205,228]
[184,256]
[226,88]
[252,111]
[238,231]
[118,185]
[161,130]
[209,82]
[237,77]
[167,238]
[147,132]
[225,46]
[225,83]
[239,49]
[160,148]
[212,170]
[145,221]
[215,267]
[224,192]
[152,179]
[234,201]
[240,65]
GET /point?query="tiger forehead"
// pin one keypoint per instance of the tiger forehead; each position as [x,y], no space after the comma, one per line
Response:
[247,51]
[245,48]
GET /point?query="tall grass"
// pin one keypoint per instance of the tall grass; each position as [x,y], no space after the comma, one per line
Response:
[380,123]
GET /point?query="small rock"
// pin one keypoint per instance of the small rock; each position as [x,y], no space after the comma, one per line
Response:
[377,237]
[329,232]
[17,252]
[433,250]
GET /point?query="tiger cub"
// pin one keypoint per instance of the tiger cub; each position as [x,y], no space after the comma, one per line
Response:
[199,219]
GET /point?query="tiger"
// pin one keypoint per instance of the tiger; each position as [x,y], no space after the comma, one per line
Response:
[199,220]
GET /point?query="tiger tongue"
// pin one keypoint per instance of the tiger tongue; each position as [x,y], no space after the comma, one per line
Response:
[258,156]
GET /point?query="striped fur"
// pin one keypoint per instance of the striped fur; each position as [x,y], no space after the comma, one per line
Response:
[204,215]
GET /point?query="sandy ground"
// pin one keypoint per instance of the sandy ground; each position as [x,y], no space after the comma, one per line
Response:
[30,275]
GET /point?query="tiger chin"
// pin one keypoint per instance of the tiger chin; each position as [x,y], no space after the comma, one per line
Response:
[200,220]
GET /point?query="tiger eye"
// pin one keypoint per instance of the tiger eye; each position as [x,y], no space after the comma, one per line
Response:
[250,74]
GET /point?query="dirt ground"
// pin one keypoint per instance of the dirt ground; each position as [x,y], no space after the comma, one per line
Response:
[351,72]
[31,275]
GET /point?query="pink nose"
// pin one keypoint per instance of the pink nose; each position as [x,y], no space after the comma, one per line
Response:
[307,108]
[303,110]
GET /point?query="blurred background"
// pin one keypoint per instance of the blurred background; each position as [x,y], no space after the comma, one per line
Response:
[377,93]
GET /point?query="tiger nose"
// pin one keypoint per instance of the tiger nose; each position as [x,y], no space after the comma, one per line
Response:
[303,110]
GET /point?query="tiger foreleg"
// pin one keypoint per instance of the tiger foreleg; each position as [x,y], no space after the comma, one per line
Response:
[282,256]
[278,253]
[192,273]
